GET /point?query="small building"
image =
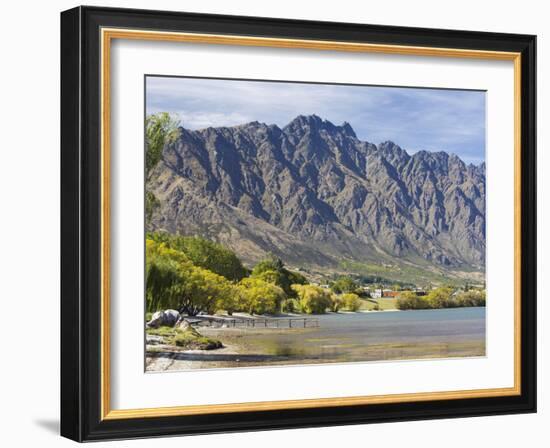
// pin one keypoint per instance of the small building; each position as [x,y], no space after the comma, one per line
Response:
[388,293]
[376,294]
[384,293]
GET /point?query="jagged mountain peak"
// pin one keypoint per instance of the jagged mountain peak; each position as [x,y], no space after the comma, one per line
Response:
[312,123]
[313,193]
[348,130]
[393,152]
[306,120]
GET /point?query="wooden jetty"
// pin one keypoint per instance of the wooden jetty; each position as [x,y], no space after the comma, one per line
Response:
[252,322]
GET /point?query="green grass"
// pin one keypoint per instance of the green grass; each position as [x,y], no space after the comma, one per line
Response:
[162,331]
[188,338]
[192,339]
[381,304]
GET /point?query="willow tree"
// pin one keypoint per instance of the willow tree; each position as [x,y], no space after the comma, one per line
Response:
[164,273]
[173,281]
[160,129]
[205,254]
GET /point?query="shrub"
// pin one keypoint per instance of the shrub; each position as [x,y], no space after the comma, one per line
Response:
[440,298]
[260,297]
[408,300]
[312,299]
[193,340]
[473,297]
[351,302]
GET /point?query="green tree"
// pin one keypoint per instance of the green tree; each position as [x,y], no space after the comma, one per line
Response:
[260,297]
[272,263]
[173,281]
[313,299]
[275,277]
[409,300]
[295,278]
[440,297]
[273,270]
[344,285]
[471,297]
[351,302]
[290,306]
[163,275]
[205,254]
[160,130]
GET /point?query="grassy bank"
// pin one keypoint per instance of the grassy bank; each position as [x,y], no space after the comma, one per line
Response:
[187,338]
[378,304]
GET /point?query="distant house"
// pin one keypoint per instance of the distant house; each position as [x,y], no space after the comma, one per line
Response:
[389,293]
[386,293]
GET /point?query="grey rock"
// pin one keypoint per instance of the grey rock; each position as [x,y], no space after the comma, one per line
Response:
[153,340]
[166,318]
[313,193]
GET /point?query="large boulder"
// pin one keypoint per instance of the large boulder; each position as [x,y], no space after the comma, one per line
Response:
[166,318]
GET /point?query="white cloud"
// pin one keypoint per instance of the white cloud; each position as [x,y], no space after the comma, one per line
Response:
[415,118]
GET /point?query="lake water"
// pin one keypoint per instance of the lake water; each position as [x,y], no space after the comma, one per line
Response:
[350,337]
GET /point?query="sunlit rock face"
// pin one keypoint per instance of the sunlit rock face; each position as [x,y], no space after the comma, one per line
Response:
[313,193]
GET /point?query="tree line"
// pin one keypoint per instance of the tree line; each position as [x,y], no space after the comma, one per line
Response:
[442,297]
[195,275]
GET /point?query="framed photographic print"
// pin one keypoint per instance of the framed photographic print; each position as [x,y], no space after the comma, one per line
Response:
[276,224]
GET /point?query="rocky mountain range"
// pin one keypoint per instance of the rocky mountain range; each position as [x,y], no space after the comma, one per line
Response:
[314,194]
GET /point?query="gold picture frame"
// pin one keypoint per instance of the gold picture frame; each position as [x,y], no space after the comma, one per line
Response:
[106,31]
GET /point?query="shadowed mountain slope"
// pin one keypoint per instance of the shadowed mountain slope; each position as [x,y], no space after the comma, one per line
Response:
[314,194]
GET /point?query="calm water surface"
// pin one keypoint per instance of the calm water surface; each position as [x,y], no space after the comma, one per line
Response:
[351,337]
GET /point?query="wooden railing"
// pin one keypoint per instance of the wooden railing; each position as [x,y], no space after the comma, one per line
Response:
[262,322]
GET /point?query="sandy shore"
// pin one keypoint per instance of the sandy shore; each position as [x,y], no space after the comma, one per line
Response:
[162,358]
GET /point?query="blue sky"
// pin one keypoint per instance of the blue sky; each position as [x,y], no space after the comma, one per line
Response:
[415,119]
